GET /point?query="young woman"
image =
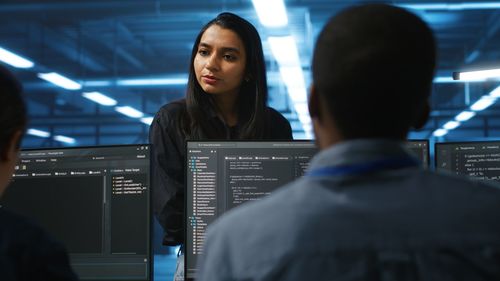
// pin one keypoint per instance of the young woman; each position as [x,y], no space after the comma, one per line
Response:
[226,99]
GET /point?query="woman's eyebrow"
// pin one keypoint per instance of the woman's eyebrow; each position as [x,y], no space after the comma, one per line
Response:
[223,49]
[230,49]
[205,45]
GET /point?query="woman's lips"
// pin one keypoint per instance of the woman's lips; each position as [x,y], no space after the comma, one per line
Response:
[209,79]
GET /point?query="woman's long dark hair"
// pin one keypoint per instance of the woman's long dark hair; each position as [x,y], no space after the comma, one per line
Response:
[252,97]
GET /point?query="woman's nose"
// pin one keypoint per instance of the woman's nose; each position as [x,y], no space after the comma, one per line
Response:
[212,63]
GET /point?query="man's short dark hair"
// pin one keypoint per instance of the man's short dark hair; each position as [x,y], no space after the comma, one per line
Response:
[373,65]
[12,110]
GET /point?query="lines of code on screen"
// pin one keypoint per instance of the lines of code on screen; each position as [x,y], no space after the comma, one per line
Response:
[480,160]
[224,175]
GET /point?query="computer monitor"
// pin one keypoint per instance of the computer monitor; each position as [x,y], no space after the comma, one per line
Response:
[224,174]
[480,160]
[421,150]
[96,200]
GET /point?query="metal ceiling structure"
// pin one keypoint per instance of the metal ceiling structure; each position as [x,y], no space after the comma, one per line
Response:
[137,52]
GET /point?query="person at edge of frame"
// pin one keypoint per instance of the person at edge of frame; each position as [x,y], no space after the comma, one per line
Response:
[27,252]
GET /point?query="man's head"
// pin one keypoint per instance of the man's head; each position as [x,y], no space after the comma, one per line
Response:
[12,124]
[372,67]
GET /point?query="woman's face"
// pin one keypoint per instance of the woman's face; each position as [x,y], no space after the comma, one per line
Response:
[220,61]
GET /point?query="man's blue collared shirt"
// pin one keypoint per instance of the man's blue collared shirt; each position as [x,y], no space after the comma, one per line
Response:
[393,223]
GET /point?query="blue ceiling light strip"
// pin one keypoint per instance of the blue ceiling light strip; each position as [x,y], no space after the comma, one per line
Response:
[481,104]
[452,6]
[14,60]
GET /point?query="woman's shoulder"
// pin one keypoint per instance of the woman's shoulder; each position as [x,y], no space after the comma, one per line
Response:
[173,107]
[277,126]
[170,114]
[172,110]
[274,115]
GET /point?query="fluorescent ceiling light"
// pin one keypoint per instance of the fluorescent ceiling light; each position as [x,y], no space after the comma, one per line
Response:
[129,111]
[284,50]
[305,121]
[495,93]
[38,133]
[14,60]
[304,118]
[59,80]
[440,132]
[443,80]
[307,127]
[147,120]
[100,98]
[440,17]
[450,125]
[271,13]
[302,112]
[465,115]
[452,6]
[297,94]
[157,80]
[64,139]
[98,83]
[309,135]
[472,56]
[293,77]
[447,80]
[479,75]
[478,5]
[152,82]
[483,103]
[435,6]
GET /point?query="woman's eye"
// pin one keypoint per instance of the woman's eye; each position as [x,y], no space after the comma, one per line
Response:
[229,57]
[203,52]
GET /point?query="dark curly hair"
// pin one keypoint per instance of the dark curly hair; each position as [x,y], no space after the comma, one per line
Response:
[373,65]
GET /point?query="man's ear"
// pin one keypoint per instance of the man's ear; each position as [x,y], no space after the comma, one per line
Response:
[314,108]
[422,116]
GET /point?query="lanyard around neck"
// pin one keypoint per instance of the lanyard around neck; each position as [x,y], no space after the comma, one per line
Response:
[364,168]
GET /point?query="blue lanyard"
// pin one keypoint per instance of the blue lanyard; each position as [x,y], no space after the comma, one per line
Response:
[369,167]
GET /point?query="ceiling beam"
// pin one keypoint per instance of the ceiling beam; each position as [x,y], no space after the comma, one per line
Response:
[491,30]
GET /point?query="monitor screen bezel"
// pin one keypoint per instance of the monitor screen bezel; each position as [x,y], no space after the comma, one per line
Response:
[150,201]
[427,142]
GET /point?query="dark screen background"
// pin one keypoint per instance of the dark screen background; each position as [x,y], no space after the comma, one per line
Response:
[79,226]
